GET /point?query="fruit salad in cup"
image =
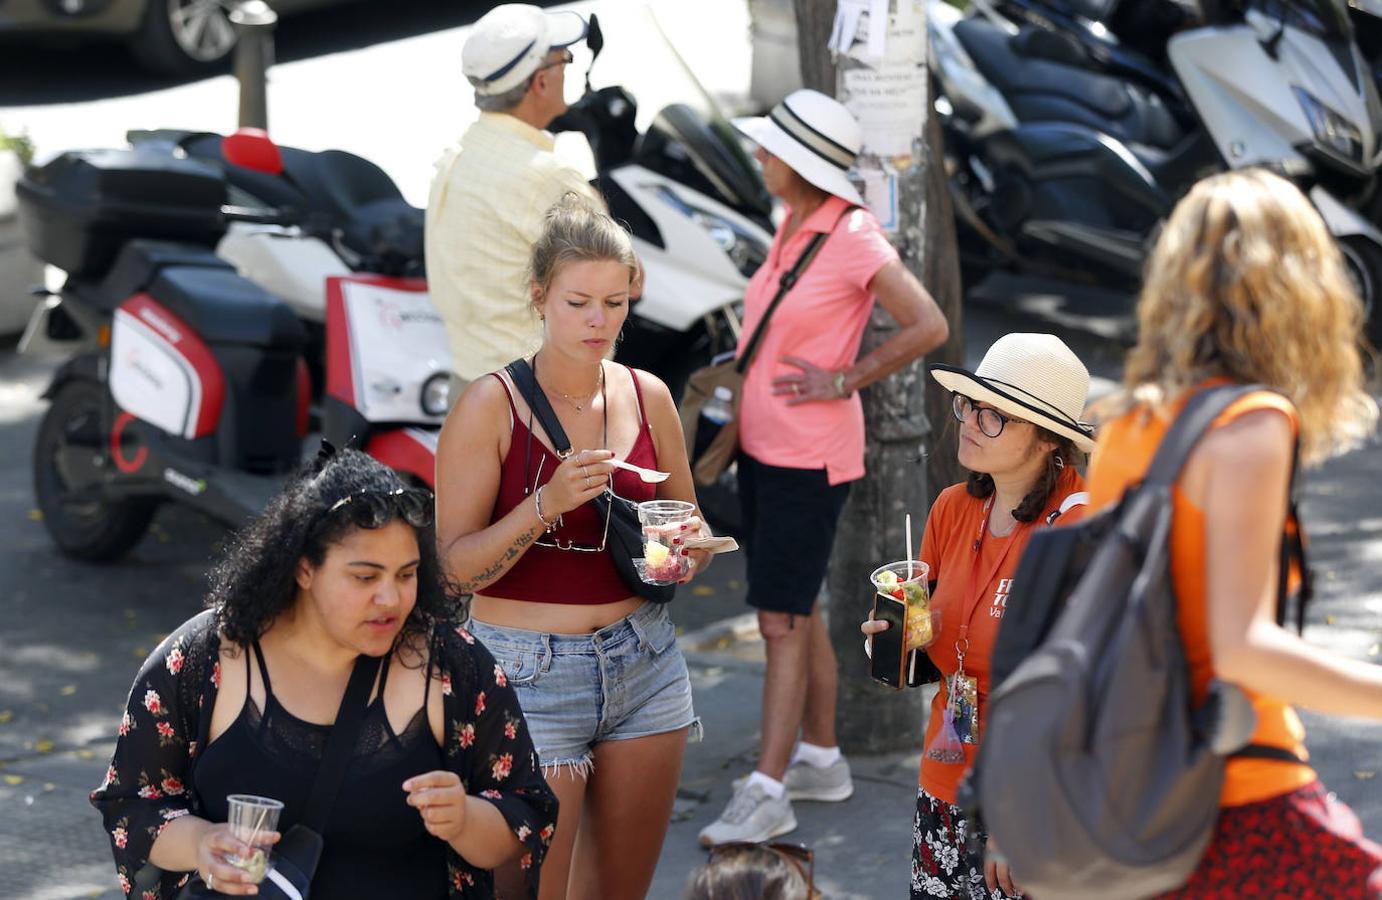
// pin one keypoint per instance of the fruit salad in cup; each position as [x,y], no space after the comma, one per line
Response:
[892,580]
[661,564]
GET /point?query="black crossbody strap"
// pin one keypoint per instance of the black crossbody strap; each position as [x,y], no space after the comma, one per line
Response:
[523,378]
[784,285]
[340,743]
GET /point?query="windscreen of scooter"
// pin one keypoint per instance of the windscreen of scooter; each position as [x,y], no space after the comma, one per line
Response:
[1326,18]
[685,136]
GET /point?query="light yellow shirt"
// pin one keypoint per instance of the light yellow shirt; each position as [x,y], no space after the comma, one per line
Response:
[485,211]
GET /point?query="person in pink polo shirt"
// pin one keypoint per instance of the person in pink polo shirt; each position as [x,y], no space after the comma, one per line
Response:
[801,430]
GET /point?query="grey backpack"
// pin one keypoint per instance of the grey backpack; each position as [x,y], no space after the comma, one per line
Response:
[1096,777]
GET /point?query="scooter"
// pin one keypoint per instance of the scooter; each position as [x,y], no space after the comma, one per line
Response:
[695,203]
[1068,155]
[184,381]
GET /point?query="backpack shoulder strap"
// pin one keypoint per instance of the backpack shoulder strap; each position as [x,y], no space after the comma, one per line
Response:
[1192,423]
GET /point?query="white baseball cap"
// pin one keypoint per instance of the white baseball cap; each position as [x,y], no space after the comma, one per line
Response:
[511,41]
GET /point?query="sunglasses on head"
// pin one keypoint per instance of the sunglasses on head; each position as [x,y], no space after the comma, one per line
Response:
[799,855]
[375,509]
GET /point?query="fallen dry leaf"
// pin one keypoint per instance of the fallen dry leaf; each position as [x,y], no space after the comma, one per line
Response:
[14,780]
[703,590]
[35,515]
[1364,775]
[5,716]
[44,746]
[1329,620]
[68,690]
[84,754]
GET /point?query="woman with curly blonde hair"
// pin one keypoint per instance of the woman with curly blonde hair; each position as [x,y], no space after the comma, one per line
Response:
[1246,286]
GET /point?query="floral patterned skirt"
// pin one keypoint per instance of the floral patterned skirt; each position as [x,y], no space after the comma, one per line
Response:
[1305,844]
[942,867]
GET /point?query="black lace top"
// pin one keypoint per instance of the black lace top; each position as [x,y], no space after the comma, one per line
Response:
[167,719]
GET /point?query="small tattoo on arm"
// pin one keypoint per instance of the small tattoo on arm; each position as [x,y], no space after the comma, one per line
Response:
[496,569]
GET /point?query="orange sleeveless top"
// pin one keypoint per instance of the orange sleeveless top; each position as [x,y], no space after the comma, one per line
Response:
[1124,452]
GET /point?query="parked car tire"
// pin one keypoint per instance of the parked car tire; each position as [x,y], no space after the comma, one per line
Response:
[185,37]
[87,529]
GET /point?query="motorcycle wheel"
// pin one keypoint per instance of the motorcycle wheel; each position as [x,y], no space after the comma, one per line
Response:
[86,529]
[1363,261]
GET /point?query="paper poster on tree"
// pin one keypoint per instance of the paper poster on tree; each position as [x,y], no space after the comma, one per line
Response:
[887,94]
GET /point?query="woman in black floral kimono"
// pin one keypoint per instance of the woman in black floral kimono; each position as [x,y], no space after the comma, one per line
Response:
[443,784]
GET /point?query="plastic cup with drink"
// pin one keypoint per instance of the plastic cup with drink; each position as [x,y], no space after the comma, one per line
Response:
[252,819]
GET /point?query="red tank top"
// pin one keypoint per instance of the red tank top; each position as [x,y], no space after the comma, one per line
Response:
[547,574]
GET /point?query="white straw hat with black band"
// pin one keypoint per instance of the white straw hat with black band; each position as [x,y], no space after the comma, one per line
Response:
[814,135]
[1034,377]
[511,42]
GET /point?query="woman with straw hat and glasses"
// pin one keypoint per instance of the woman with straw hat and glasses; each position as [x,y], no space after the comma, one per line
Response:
[1020,437]
[801,430]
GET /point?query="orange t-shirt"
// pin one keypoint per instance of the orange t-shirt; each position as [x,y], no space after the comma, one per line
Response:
[1124,452]
[947,547]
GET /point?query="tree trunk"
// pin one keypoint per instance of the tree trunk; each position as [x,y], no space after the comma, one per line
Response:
[872,718]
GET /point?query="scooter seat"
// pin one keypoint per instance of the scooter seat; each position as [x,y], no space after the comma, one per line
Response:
[345,194]
[1039,89]
[206,293]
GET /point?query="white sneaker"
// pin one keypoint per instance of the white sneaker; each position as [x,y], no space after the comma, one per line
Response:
[750,816]
[804,781]
[830,784]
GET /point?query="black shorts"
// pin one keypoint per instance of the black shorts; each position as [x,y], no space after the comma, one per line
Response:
[789,519]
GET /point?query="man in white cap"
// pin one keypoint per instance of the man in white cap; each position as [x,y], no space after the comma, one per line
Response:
[492,189]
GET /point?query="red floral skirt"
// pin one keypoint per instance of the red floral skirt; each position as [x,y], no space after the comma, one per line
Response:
[1302,845]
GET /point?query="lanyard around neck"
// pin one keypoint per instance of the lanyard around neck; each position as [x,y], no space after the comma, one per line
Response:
[976,587]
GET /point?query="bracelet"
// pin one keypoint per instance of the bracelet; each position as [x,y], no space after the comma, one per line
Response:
[840,385]
[537,502]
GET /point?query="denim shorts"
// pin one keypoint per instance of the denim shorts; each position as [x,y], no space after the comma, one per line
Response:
[627,680]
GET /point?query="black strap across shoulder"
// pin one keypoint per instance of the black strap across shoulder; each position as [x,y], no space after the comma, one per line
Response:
[345,734]
[789,278]
[526,382]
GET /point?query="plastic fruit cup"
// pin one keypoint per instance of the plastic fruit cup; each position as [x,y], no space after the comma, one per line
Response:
[921,624]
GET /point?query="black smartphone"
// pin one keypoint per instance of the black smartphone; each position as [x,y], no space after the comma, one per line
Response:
[888,665]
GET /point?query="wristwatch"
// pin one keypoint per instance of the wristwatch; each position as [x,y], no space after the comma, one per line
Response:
[840,385]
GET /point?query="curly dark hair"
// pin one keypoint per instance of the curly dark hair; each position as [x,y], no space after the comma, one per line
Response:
[255,579]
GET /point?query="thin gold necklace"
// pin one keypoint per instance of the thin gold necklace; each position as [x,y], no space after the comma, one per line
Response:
[580,403]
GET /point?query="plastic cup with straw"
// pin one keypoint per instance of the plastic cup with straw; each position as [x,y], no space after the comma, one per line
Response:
[908,579]
[251,820]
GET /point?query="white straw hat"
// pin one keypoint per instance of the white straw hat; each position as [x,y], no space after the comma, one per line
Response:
[1034,377]
[511,41]
[813,134]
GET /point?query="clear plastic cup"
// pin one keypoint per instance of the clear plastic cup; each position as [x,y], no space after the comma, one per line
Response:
[663,562]
[252,819]
[911,579]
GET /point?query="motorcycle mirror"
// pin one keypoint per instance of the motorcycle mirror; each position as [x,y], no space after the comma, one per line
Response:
[595,40]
